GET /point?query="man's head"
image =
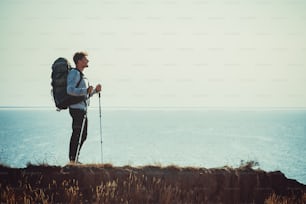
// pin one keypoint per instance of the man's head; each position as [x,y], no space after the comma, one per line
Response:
[80,60]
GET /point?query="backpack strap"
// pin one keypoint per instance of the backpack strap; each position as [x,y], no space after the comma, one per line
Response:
[78,84]
[81,77]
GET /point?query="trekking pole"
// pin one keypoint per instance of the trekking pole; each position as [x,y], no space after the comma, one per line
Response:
[80,137]
[100,127]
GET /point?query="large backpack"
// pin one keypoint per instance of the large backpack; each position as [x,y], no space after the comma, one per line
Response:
[60,70]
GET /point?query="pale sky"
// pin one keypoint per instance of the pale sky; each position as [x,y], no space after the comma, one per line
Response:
[157,53]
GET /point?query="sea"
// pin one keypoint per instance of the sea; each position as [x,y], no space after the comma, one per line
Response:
[197,137]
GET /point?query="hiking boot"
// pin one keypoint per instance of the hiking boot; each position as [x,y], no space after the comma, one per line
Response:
[72,162]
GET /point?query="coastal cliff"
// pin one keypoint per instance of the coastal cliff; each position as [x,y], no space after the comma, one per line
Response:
[149,184]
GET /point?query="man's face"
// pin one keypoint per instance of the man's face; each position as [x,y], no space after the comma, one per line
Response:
[84,62]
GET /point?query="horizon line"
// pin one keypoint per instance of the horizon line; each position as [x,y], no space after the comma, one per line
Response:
[170,107]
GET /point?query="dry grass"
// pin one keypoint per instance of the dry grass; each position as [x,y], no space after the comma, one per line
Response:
[248,164]
[107,165]
[136,189]
[275,199]
[139,189]
[103,183]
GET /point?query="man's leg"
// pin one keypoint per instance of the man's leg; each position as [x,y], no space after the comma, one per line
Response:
[77,120]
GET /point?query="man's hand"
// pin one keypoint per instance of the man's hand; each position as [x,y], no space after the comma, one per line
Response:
[98,88]
[90,89]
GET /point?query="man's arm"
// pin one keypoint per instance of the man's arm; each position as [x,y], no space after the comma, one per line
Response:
[72,80]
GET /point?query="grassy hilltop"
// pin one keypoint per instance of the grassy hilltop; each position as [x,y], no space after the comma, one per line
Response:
[149,184]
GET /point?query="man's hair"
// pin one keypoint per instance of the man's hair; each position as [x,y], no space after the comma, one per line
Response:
[78,56]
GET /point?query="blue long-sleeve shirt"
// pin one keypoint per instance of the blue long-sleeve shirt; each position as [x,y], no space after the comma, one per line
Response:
[72,89]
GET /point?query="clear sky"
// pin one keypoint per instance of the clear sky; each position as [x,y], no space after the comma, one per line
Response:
[229,53]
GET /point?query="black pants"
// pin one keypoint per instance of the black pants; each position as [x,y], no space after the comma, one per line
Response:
[77,120]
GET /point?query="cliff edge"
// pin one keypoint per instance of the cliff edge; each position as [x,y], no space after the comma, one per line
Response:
[149,184]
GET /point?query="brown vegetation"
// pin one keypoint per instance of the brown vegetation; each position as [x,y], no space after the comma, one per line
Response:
[149,184]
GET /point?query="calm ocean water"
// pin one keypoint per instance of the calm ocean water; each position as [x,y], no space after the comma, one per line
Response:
[196,137]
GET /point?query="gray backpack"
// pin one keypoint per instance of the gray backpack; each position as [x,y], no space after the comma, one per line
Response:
[60,70]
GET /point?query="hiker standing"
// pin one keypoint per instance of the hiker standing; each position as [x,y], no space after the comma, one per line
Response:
[77,86]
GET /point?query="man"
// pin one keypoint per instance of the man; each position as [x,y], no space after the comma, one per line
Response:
[77,86]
